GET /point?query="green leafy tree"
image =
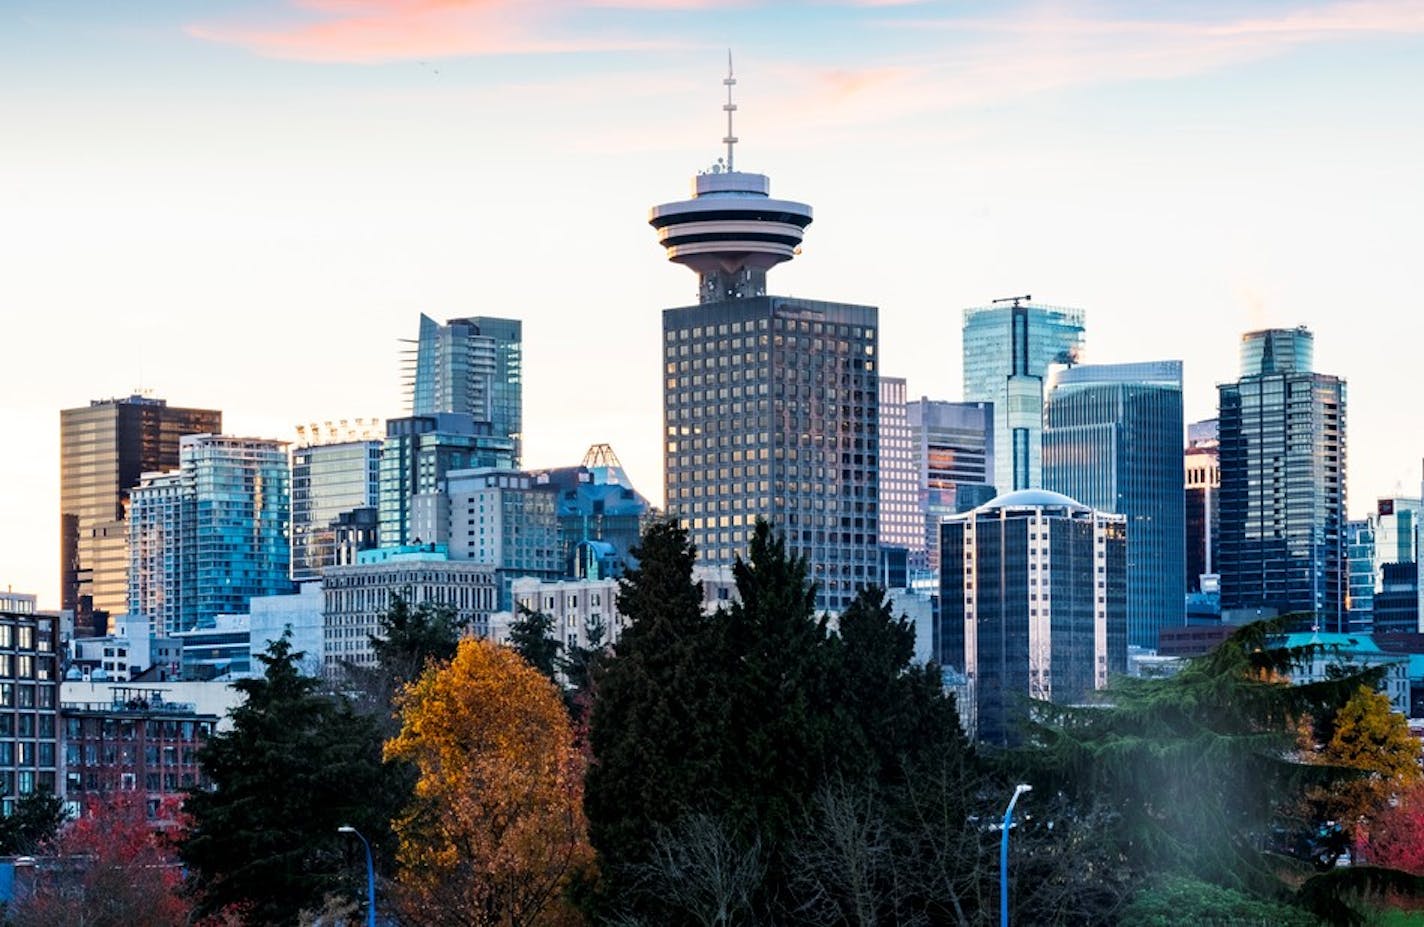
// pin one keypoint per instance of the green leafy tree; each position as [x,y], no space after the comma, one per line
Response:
[532,637]
[35,820]
[295,766]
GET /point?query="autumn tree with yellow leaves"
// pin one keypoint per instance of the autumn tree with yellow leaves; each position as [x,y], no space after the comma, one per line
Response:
[495,832]
[1368,735]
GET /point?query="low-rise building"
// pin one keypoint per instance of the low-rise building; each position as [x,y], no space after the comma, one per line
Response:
[355,596]
[138,739]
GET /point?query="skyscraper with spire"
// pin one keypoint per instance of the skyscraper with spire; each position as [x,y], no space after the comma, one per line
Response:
[770,404]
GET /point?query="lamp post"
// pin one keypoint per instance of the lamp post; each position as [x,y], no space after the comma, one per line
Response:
[370,874]
[1004,855]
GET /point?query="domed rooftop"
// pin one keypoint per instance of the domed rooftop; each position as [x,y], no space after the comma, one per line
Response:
[1033,498]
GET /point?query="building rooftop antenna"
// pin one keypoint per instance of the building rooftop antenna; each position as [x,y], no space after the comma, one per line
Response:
[729,108]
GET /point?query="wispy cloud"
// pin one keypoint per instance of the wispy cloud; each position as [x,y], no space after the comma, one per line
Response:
[372,31]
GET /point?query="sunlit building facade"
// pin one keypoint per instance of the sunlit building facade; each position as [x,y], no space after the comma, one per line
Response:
[105,448]
[954,459]
[902,522]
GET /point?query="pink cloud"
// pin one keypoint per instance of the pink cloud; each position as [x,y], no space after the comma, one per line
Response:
[372,31]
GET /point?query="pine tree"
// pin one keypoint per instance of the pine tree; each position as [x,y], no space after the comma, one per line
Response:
[295,766]
[656,726]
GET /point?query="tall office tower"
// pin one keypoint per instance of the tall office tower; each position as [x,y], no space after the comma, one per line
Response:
[1033,603]
[473,366]
[207,538]
[1007,352]
[770,404]
[954,456]
[104,448]
[1360,561]
[1282,430]
[1202,468]
[329,481]
[902,522]
[418,453]
[1112,439]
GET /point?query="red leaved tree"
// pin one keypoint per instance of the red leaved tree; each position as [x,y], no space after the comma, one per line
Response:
[110,866]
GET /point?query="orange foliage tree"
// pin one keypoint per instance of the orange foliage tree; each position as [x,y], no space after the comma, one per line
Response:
[495,832]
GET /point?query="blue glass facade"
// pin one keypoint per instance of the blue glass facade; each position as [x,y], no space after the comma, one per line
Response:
[419,452]
[1283,471]
[210,536]
[1007,352]
[1360,552]
[953,444]
[472,366]
[328,480]
[1112,439]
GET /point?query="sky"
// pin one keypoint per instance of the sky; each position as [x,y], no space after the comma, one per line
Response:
[246,205]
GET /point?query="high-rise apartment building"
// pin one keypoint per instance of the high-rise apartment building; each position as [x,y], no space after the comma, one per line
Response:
[1360,586]
[329,481]
[419,452]
[208,537]
[1033,604]
[472,366]
[1112,439]
[1007,353]
[954,458]
[29,706]
[770,404]
[1282,432]
[902,520]
[1201,467]
[104,449]
[504,518]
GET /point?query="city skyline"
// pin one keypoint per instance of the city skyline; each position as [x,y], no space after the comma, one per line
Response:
[214,206]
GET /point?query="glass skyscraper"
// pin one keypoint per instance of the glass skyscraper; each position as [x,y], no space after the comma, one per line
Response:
[104,449]
[419,452]
[328,481]
[1033,604]
[1282,433]
[954,458]
[209,537]
[472,366]
[1112,439]
[1007,352]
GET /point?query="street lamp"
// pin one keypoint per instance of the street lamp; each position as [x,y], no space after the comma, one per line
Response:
[1004,855]
[370,873]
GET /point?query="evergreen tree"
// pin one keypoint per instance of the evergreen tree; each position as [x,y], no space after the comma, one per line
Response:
[1198,770]
[409,637]
[657,726]
[35,820]
[295,766]
[532,637]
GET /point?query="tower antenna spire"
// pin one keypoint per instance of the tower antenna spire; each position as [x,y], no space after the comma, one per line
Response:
[729,108]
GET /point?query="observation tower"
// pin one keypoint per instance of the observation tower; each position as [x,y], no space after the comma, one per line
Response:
[731,232]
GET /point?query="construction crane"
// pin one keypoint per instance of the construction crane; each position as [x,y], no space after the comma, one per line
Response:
[1014,299]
